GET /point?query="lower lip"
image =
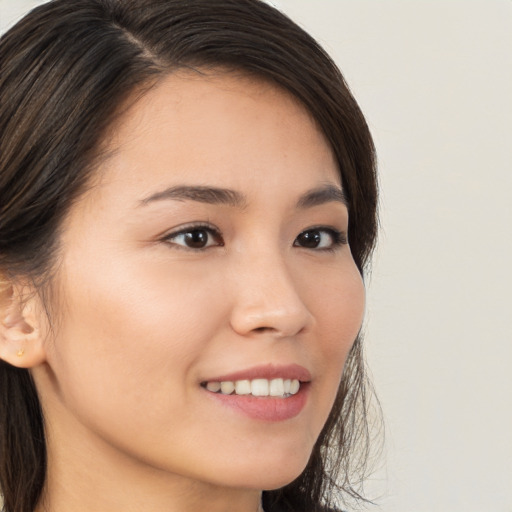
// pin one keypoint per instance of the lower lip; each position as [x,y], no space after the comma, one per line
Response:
[265,408]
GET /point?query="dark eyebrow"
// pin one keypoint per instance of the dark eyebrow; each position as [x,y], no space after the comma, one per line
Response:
[228,197]
[322,195]
[210,195]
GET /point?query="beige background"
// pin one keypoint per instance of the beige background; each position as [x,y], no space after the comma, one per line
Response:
[434,79]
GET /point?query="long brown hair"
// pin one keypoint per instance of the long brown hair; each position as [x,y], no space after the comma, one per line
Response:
[66,69]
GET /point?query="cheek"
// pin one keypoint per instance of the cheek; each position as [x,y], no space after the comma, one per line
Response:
[339,302]
[126,341]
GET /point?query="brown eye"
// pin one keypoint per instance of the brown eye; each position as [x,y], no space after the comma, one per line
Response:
[195,238]
[309,239]
[320,238]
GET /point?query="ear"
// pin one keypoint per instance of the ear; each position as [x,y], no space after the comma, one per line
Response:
[21,342]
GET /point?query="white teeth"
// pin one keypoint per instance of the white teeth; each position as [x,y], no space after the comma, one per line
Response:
[227,387]
[243,387]
[259,387]
[276,387]
[213,386]
[256,387]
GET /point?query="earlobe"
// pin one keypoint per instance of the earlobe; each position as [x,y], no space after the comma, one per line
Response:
[21,344]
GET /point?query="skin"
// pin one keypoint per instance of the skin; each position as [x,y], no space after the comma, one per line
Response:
[143,319]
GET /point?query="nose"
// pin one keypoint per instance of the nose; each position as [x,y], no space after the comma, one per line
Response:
[267,300]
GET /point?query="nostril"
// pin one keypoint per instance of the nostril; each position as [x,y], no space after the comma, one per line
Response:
[262,329]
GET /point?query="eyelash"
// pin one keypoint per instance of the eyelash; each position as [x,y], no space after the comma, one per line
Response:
[338,238]
[215,233]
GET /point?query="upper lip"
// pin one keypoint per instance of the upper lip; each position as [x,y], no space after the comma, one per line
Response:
[267,371]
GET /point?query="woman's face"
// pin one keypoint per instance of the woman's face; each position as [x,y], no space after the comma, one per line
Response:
[212,249]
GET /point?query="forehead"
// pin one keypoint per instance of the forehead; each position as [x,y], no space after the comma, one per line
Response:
[217,129]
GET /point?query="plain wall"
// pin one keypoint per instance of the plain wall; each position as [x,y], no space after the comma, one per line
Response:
[434,79]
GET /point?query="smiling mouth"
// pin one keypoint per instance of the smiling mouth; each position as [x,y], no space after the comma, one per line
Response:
[274,388]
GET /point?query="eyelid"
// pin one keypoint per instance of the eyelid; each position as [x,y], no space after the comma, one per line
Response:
[186,228]
[339,236]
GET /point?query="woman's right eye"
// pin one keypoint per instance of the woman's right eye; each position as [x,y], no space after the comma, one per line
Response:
[195,238]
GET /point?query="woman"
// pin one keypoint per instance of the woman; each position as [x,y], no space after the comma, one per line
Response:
[181,288]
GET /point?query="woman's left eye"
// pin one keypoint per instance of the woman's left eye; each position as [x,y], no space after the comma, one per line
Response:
[195,238]
[320,238]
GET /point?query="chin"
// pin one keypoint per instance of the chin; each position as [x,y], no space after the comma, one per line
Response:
[271,474]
